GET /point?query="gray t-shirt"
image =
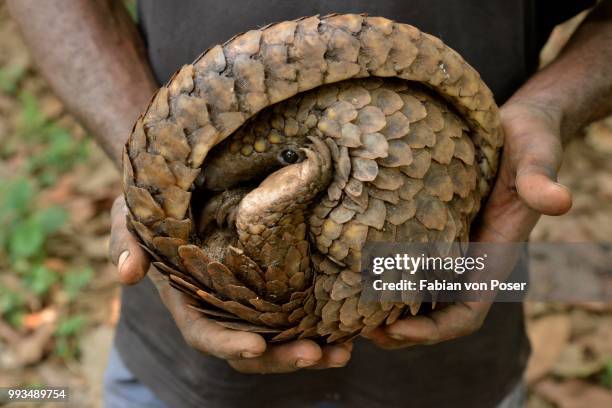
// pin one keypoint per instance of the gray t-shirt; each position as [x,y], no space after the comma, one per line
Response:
[501,39]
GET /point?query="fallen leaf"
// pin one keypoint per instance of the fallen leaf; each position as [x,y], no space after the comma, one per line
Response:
[29,350]
[51,106]
[7,333]
[61,192]
[574,394]
[535,401]
[95,247]
[598,307]
[81,209]
[576,362]
[599,135]
[33,320]
[583,322]
[549,336]
[98,177]
[55,264]
[55,373]
[598,342]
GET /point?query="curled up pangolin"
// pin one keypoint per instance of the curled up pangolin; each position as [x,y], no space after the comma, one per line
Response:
[257,174]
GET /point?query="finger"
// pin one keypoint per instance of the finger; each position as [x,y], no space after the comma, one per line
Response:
[536,152]
[525,185]
[524,189]
[202,333]
[456,320]
[382,339]
[284,358]
[124,251]
[536,185]
[334,356]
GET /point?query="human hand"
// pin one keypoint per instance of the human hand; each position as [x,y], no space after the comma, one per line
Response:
[525,188]
[244,351]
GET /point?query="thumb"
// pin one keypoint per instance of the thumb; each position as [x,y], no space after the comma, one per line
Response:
[124,251]
[526,184]
[535,152]
[537,187]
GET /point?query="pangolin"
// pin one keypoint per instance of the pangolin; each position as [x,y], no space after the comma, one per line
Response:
[258,172]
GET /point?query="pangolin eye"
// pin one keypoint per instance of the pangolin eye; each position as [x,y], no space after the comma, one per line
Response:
[289,156]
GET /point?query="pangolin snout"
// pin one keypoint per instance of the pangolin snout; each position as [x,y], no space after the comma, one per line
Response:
[229,169]
[226,172]
[296,183]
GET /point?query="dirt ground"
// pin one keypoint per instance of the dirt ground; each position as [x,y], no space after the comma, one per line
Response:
[59,330]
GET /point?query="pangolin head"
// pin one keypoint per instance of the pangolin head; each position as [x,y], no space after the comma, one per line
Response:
[356,118]
[251,153]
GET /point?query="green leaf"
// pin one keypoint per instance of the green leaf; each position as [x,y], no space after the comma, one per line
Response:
[15,318]
[62,348]
[32,118]
[11,306]
[27,239]
[15,197]
[70,327]
[606,376]
[9,301]
[51,219]
[66,337]
[10,77]
[61,153]
[130,5]
[28,236]
[74,281]
[40,279]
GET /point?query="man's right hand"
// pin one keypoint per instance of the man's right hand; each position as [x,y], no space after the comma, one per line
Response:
[246,352]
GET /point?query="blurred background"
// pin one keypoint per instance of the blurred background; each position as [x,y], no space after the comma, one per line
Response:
[59,296]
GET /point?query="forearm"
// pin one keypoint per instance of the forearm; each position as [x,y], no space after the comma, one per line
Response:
[91,54]
[576,88]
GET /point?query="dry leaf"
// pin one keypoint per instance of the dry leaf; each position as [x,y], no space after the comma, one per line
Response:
[599,341]
[576,362]
[574,394]
[33,320]
[549,336]
[7,333]
[29,350]
[81,209]
[55,264]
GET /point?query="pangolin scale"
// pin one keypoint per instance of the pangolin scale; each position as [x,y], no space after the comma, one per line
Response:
[257,174]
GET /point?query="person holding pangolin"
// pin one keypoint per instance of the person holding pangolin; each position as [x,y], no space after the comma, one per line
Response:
[467,354]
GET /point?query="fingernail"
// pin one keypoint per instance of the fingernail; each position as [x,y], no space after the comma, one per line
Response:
[249,354]
[338,365]
[396,336]
[303,363]
[122,258]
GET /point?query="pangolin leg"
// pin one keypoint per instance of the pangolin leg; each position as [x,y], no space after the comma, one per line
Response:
[220,209]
